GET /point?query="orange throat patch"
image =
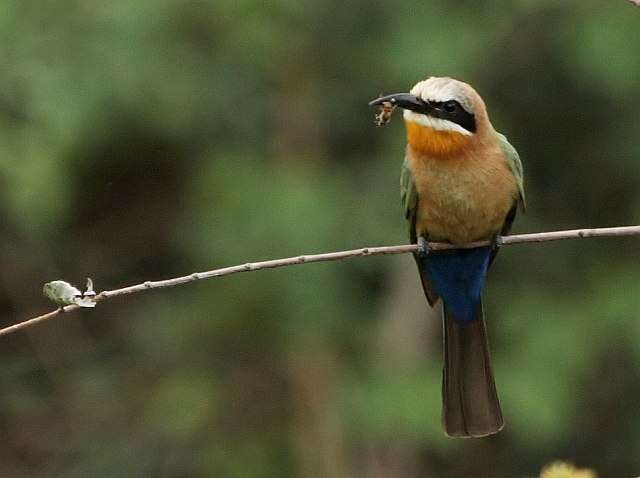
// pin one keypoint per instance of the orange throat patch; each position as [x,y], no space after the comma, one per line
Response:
[435,142]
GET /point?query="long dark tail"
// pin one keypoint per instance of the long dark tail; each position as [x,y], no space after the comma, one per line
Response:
[470,405]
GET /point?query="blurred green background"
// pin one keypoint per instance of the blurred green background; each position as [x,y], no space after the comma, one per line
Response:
[143,140]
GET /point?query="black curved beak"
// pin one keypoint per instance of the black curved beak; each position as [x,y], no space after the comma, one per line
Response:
[406,101]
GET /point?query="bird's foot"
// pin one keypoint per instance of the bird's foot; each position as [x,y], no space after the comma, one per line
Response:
[423,247]
[497,242]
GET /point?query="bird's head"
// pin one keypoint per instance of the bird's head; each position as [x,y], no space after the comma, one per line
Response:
[442,115]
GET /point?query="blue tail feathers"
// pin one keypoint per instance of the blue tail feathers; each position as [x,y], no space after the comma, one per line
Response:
[458,278]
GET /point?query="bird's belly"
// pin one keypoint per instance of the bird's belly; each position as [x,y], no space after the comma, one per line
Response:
[463,205]
[459,222]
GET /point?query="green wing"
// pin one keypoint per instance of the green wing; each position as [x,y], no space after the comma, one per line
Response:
[513,159]
[409,198]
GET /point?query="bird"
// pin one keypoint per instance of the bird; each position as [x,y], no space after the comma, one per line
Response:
[461,181]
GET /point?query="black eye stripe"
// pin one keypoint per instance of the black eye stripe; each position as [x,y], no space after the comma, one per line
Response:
[457,115]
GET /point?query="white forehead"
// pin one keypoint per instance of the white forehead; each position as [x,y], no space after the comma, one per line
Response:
[444,89]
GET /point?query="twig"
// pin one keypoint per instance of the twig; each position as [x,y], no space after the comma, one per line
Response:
[329,256]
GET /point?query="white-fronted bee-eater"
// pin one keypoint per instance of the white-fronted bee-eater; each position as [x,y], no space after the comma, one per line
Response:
[461,182]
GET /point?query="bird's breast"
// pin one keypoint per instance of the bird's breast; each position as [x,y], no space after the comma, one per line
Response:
[463,198]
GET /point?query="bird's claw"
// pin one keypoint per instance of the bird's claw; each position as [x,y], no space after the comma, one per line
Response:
[423,247]
[497,242]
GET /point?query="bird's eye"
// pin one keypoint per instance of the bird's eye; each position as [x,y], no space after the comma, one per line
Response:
[450,106]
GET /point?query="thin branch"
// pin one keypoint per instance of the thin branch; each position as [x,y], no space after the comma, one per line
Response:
[329,256]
